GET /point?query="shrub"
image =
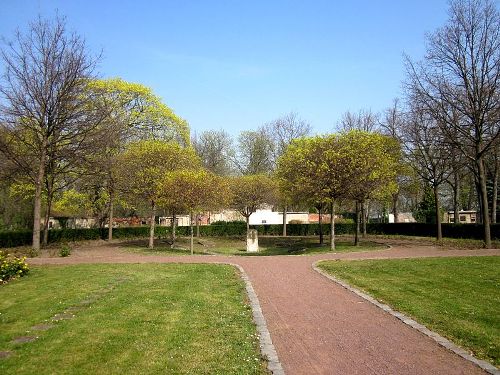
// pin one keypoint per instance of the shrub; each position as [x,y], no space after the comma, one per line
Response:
[11,267]
[65,251]
[16,238]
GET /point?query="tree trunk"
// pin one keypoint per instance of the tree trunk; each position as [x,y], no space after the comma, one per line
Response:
[38,199]
[197,226]
[332,227]
[364,215]
[173,229]
[456,192]
[50,196]
[111,213]
[248,223]
[395,212]
[484,203]
[356,232]
[191,243]
[285,208]
[495,195]
[439,234]
[320,221]
[479,201]
[152,226]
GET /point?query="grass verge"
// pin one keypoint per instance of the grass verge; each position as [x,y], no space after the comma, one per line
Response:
[268,245]
[457,297]
[147,318]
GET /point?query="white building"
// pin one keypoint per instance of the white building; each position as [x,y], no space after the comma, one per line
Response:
[267,217]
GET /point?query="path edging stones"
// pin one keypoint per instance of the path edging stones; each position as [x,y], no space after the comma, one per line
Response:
[486,366]
[266,345]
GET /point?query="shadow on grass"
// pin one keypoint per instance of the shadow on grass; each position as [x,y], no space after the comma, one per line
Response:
[268,246]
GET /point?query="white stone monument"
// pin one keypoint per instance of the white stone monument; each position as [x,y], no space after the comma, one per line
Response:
[252,241]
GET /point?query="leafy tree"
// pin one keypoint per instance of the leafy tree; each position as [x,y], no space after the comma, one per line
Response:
[282,132]
[249,192]
[296,175]
[140,169]
[72,203]
[373,171]
[425,212]
[133,112]
[192,191]
[316,168]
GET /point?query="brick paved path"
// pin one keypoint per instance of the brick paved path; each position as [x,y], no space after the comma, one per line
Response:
[317,326]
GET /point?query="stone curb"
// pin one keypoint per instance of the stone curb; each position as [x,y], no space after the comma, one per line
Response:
[486,366]
[266,345]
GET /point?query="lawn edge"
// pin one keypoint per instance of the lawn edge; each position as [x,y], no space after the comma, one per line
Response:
[485,365]
[267,348]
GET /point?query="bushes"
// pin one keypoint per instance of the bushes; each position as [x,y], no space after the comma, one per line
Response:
[472,231]
[11,267]
[65,251]
[238,228]
[16,238]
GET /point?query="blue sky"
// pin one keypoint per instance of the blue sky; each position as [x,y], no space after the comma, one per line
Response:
[235,65]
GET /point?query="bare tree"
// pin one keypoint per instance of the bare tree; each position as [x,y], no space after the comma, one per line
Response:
[255,152]
[284,130]
[215,148]
[458,81]
[392,125]
[363,120]
[428,153]
[46,72]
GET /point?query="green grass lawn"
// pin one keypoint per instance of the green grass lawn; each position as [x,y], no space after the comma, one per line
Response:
[456,297]
[148,318]
[269,245]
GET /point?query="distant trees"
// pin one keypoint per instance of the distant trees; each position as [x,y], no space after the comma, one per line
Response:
[254,152]
[215,148]
[364,120]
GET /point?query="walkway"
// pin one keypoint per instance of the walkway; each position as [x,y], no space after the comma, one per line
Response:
[317,326]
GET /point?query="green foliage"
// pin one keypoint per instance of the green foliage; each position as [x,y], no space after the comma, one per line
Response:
[249,192]
[331,167]
[144,164]
[65,251]
[72,203]
[143,113]
[425,212]
[192,191]
[16,238]
[11,267]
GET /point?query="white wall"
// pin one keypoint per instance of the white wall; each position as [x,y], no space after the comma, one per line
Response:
[267,217]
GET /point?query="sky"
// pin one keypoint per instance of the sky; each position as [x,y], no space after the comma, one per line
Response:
[235,65]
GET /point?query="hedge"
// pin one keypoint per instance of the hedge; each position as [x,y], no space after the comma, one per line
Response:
[473,231]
